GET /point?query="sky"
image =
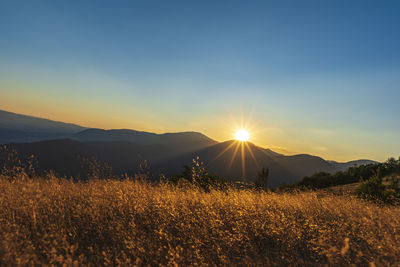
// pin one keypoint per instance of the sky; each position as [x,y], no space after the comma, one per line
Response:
[317,77]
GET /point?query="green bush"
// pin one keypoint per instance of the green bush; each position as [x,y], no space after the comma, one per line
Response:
[372,188]
[351,175]
[375,189]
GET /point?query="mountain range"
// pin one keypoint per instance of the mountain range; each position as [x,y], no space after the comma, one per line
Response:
[17,128]
[177,142]
[57,146]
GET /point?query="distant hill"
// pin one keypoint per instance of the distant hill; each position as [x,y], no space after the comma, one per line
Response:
[177,142]
[17,128]
[302,165]
[342,166]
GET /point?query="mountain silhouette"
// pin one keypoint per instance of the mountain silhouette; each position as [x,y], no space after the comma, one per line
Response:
[17,128]
[341,166]
[225,159]
[57,146]
[178,142]
[63,155]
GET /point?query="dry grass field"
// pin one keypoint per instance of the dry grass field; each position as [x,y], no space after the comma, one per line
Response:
[109,222]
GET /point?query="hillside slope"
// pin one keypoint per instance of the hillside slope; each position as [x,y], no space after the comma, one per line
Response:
[180,142]
[22,128]
[225,159]
[63,156]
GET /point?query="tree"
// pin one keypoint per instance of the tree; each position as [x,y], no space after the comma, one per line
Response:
[262,179]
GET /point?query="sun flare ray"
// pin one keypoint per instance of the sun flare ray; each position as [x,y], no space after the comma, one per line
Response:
[223,151]
[243,162]
[234,154]
[252,155]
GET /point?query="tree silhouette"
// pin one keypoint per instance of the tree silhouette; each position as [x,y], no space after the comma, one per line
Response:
[262,179]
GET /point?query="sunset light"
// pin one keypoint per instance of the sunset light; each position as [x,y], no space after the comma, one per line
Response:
[186,133]
[242,135]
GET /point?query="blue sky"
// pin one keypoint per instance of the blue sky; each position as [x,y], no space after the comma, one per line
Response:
[319,77]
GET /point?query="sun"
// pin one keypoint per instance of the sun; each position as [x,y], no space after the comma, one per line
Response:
[242,135]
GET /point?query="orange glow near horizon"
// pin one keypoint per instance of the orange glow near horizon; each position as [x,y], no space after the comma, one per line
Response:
[221,128]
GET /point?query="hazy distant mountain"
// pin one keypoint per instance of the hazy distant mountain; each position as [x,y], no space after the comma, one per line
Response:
[17,128]
[303,165]
[177,142]
[341,166]
[22,128]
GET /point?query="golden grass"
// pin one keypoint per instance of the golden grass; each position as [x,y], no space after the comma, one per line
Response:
[135,223]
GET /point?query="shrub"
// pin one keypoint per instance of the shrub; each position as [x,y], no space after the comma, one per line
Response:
[13,168]
[372,188]
[198,176]
[375,189]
